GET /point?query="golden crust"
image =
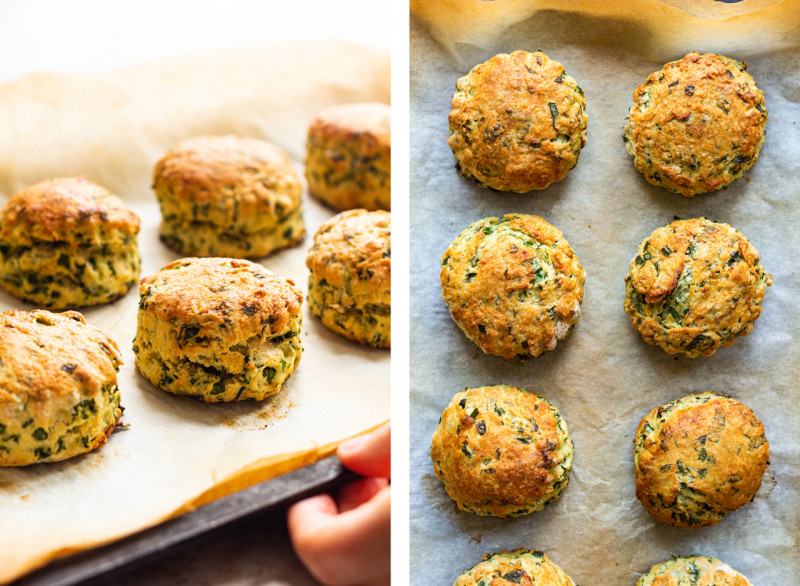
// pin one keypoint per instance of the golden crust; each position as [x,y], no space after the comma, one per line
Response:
[518,122]
[697,124]
[697,458]
[520,566]
[696,570]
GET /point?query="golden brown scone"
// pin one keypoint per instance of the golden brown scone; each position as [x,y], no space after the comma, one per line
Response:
[228,196]
[698,458]
[518,122]
[697,570]
[695,286]
[501,451]
[697,124]
[58,387]
[219,329]
[513,285]
[349,156]
[350,284]
[68,243]
[520,566]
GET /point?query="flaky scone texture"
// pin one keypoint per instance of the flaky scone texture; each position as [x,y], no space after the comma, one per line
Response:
[697,570]
[697,124]
[68,243]
[228,196]
[521,566]
[501,451]
[697,458]
[219,329]
[517,123]
[350,280]
[58,387]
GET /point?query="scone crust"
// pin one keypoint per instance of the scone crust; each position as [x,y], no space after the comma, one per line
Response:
[348,162]
[58,387]
[697,458]
[501,451]
[698,570]
[695,286]
[518,122]
[697,124]
[513,285]
[228,196]
[520,566]
[349,285]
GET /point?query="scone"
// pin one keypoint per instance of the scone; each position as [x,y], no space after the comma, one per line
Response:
[349,287]
[697,125]
[695,286]
[513,285]
[218,329]
[501,451]
[349,157]
[58,387]
[228,196]
[698,458]
[518,122]
[697,570]
[520,566]
[68,243]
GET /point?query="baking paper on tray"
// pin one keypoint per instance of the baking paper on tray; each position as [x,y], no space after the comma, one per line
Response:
[177,452]
[604,378]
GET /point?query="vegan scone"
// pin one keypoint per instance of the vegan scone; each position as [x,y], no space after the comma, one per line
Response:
[696,570]
[520,566]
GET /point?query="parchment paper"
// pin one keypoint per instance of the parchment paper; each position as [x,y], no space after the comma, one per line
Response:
[604,378]
[176,452]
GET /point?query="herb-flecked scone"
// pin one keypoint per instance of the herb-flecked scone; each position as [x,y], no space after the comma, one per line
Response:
[696,125]
[67,243]
[698,570]
[349,285]
[501,451]
[518,122]
[520,566]
[219,329]
[58,387]
[349,156]
[695,286]
[228,196]
[513,285]
[697,458]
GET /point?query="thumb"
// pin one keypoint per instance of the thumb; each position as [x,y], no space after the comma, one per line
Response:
[369,455]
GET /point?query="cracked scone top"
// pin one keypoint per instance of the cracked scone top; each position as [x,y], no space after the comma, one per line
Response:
[520,566]
[697,570]
[219,329]
[518,122]
[696,125]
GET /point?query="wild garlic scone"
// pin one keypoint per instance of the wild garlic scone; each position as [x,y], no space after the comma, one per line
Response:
[219,329]
[349,287]
[228,196]
[520,566]
[68,243]
[58,387]
[349,157]
[698,570]
[513,285]
[698,458]
[695,286]
[518,122]
[696,125]
[501,451]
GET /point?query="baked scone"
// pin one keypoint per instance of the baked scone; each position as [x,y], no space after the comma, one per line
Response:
[349,156]
[68,243]
[697,570]
[219,329]
[520,566]
[501,451]
[228,196]
[349,287]
[696,125]
[58,387]
[518,122]
[695,286]
[513,285]
[697,458]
